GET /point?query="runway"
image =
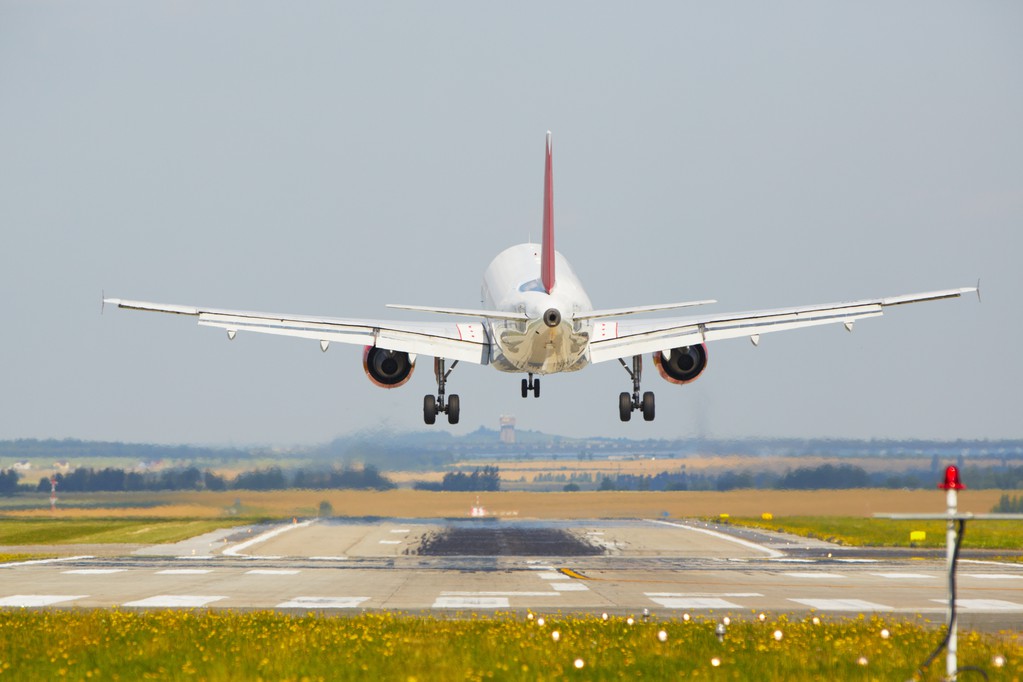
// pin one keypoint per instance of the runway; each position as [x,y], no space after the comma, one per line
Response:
[451,566]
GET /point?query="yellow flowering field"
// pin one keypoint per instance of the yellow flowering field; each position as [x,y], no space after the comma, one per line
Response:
[264,645]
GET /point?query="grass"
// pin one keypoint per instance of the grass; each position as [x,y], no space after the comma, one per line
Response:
[224,645]
[859,532]
[421,504]
[102,531]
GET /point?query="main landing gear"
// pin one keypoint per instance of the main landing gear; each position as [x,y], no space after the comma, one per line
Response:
[531,385]
[627,403]
[434,404]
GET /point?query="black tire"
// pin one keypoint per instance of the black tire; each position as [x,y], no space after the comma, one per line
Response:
[648,406]
[453,408]
[625,406]
[536,388]
[430,409]
[525,388]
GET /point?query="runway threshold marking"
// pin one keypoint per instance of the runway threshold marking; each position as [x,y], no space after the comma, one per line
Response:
[984,604]
[471,603]
[323,603]
[175,601]
[842,605]
[994,576]
[33,600]
[694,603]
[905,576]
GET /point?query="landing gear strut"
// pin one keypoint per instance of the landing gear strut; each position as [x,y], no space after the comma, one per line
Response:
[628,403]
[531,385]
[434,404]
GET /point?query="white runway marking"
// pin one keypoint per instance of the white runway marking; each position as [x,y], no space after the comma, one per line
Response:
[694,603]
[842,605]
[174,601]
[570,587]
[184,571]
[94,571]
[857,561]
[328,558]
[984,604]
[390,542]
[703,594]
[994,576]
[471,603]
[399,530]
[272,571]
[499,594]
[905,576]
[553,575]
[30,600]
[771,553]
[234,551]
[815,575]
[31,562]
[323,603]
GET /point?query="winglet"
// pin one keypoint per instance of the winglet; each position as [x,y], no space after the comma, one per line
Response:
[547,242]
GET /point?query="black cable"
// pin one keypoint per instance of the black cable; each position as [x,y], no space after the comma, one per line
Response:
[952,603]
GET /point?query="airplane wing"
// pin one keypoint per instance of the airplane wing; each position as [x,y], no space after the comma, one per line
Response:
[463,342]
[614,339]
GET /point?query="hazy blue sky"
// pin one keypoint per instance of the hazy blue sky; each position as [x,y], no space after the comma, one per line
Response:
[328,158]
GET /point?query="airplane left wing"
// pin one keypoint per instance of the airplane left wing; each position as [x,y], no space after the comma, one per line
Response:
[463,342]
[619,339]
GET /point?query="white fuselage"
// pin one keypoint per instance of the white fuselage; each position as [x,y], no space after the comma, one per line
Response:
[511,284]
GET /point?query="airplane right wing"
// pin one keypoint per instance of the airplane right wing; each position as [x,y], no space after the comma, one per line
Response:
[466,342]
[619,339]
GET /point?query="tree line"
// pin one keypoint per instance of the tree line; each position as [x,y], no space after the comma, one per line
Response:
[191,478]
[483,479]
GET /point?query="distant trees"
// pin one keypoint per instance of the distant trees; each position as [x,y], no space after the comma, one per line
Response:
[8,482]
[1009,505]
[191,478]
[483,479]
[825,476]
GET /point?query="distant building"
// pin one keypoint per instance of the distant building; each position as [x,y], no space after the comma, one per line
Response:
[507,430]
[23,465]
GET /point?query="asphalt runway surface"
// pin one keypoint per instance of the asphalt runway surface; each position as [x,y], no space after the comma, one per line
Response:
[452,566]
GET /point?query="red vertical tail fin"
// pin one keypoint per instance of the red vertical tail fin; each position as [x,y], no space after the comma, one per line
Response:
[547,242]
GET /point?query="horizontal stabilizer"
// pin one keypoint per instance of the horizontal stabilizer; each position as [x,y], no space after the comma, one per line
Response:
[618,312]
[462,312]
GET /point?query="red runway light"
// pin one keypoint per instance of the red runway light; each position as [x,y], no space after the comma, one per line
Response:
[952,481]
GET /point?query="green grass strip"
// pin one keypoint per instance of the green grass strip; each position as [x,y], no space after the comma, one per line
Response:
[101,531]
[860,532]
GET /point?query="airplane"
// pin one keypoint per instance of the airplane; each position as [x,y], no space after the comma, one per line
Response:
[536,319]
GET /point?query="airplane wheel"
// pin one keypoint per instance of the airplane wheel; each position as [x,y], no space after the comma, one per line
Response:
[536,388]
[453,409]
[648,406]
[429,409]
[525,388]
[625,406]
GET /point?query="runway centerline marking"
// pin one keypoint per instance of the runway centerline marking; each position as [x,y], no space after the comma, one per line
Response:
[30,600]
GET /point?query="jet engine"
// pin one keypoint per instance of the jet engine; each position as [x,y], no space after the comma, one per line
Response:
[387,368]
[683,364]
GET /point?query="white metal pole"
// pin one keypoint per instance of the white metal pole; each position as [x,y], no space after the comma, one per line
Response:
[952,502]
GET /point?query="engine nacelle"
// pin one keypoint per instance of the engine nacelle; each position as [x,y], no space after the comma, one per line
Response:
[387,368]
[683,365]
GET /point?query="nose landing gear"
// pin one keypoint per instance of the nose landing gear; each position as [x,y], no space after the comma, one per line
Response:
[531,385]
[628,403]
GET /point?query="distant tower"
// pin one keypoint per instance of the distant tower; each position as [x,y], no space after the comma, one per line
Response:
[508,430]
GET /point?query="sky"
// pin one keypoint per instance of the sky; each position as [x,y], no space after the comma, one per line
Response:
[330,157]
